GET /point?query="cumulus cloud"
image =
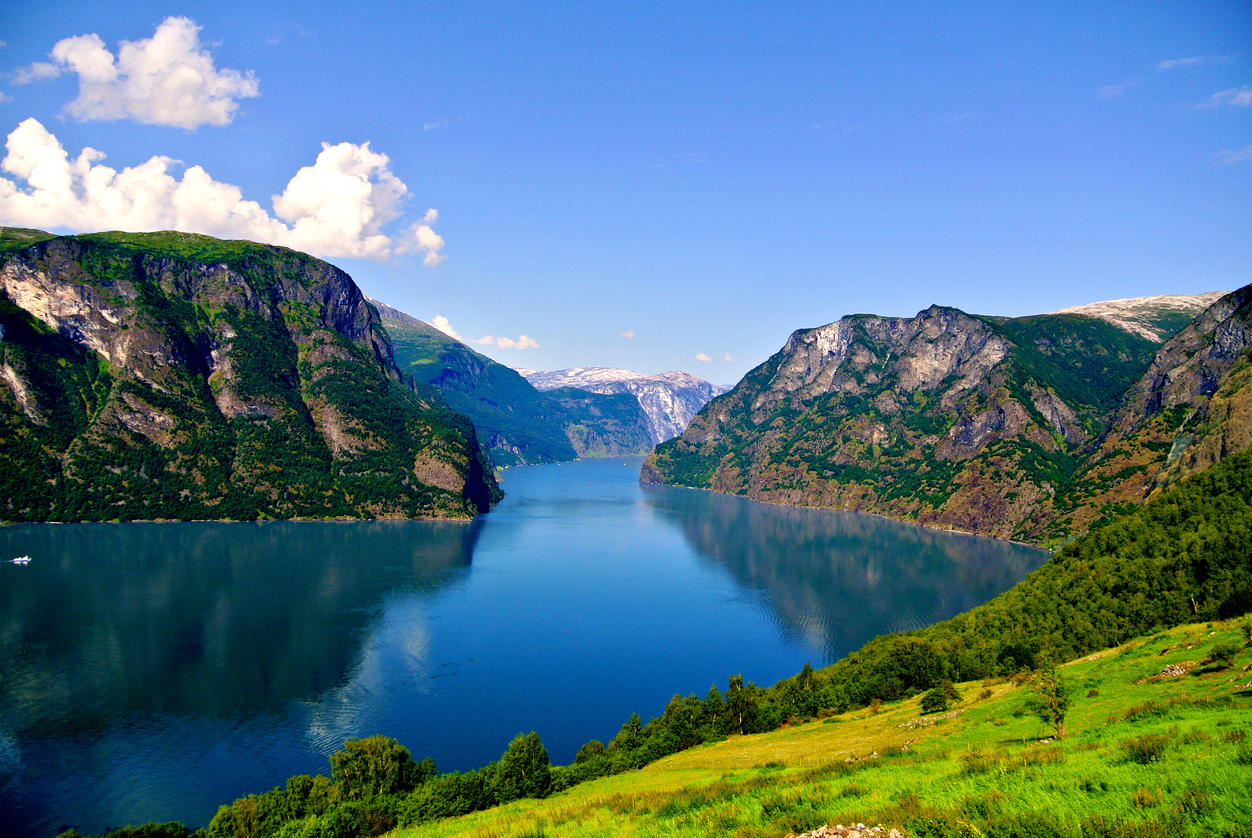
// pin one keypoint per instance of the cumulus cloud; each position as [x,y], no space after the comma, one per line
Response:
[168,79]
[1226,157]
[728,359]
[428,241]
[628,334]
[336,207]
[1240,97]
[441,323]
[522,342]
[702,358]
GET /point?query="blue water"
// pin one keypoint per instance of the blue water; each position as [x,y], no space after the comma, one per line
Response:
[154,671]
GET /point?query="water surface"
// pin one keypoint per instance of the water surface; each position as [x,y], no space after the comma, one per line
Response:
[154,671]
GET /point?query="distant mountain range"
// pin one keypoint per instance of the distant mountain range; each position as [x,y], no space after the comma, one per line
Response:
[670,399]
[516,423]
[1031,428]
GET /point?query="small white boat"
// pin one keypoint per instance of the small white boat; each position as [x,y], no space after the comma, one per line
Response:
[22,560]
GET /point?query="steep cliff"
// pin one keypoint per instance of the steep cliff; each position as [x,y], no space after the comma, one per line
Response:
[603,424]
[981,424]
[168,375]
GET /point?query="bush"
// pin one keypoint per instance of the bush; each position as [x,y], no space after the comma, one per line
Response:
[1223,654]
[1146,749]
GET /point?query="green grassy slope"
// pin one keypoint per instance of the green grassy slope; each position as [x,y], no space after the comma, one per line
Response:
[1143,755]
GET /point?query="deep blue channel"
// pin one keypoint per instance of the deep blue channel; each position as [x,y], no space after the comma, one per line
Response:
[154,671]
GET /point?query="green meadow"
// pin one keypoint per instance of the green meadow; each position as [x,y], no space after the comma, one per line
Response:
[1144,754]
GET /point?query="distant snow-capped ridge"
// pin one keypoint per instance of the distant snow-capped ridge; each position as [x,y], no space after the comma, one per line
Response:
[1144,316]
[669,399]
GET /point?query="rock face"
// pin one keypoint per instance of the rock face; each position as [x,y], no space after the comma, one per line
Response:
[1027,428]
[670,400]
[168,375]
[603,424]
[517,424]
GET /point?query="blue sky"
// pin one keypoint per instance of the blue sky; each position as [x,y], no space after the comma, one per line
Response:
[650,185]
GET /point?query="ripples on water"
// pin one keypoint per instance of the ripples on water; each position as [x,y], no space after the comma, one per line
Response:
[153,671]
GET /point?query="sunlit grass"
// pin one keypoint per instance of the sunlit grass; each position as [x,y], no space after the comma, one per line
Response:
[1141,754]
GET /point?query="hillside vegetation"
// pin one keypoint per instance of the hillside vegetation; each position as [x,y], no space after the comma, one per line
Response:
[1145,754]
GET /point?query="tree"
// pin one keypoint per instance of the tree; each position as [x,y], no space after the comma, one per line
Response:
[938,699]
[1054,698]
[376,765]
[523,771]
[629,738]
[741,708]
[590,750]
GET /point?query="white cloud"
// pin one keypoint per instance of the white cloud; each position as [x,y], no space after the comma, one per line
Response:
[1226,157]
[522,342]
[441,323]
[1194,61]
[1240,97]
[168,79]
[335,208]
[438,123]
[1112,91]
[37,72]
[5,98]
[628,334]
[728,359]
[702,358]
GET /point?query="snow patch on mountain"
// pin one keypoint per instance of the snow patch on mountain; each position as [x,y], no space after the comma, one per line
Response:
[1146,316]
[670,400]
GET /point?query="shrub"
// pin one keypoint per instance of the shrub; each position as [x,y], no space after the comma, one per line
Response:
[1196,799]
[1223,655]
[1146,749]
[1145,798]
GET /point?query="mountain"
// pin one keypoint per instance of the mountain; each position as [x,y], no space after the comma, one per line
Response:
[670,399]
[516,423]
[1155,318]
[1028,428]
[168,375]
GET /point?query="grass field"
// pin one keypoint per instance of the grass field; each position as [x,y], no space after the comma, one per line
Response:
[1144,754]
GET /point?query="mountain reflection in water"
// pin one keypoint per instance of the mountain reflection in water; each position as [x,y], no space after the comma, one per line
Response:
[838,579]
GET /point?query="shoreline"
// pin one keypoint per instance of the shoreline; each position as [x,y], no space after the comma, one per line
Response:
[952,530]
